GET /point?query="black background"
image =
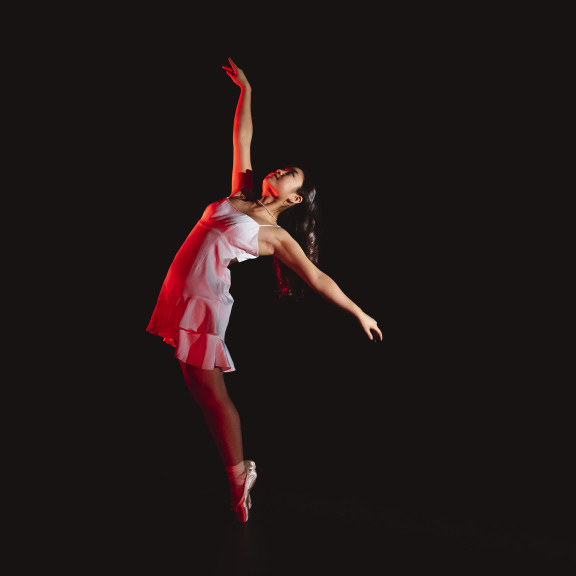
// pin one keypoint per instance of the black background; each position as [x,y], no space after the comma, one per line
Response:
[453,430]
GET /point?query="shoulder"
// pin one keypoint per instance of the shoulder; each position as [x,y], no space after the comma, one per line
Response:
[279,242]
[276,235]
[273,239]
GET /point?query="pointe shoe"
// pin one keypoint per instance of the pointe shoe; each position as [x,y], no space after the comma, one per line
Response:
[241,509]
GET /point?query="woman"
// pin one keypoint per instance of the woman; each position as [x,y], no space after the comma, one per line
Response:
[194,304]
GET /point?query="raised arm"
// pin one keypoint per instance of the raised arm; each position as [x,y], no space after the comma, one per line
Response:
[242,131]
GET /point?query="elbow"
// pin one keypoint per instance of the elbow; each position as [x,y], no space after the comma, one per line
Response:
[242,137]
[245,137]
[318,282]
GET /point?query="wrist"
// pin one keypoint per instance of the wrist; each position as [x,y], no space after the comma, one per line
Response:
[358,312]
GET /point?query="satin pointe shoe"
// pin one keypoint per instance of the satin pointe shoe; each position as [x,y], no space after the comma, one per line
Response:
[241,509]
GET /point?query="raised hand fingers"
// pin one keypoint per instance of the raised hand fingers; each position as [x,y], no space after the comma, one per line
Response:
[237,74]
[233,69]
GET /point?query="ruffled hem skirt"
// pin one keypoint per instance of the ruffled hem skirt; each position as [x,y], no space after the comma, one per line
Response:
[205,350]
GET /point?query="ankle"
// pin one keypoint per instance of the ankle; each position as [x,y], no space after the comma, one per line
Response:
[236,474]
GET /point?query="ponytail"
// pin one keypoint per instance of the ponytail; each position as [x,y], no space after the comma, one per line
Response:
[302,222]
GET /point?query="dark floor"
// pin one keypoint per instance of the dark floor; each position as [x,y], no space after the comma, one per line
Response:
[299,526]
[343,486]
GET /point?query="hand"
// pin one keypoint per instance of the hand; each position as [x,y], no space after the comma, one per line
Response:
[236,74]
[370,326]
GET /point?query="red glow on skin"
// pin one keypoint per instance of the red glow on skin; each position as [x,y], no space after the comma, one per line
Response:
[279,180]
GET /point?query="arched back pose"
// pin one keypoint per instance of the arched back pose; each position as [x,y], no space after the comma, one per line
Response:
[194,304]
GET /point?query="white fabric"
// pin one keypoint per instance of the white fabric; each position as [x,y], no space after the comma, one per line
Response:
[194,305]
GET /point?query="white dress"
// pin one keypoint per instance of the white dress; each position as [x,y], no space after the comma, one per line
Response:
[194,305]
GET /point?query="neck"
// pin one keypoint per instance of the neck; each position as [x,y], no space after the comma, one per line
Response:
[275,219]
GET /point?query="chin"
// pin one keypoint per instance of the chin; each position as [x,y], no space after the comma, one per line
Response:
[268,189]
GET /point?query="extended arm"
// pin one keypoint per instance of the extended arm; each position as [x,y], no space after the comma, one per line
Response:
[288,251]
[242,130]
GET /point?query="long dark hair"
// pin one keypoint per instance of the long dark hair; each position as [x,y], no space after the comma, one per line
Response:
[302,221]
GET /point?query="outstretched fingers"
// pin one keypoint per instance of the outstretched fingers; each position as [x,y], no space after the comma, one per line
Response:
[237,74]
[376,334]
[232,69]
[370,326]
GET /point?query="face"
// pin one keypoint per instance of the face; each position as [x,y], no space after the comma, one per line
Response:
[283,182]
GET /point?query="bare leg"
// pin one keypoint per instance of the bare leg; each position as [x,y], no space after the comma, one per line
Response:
[209,392]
